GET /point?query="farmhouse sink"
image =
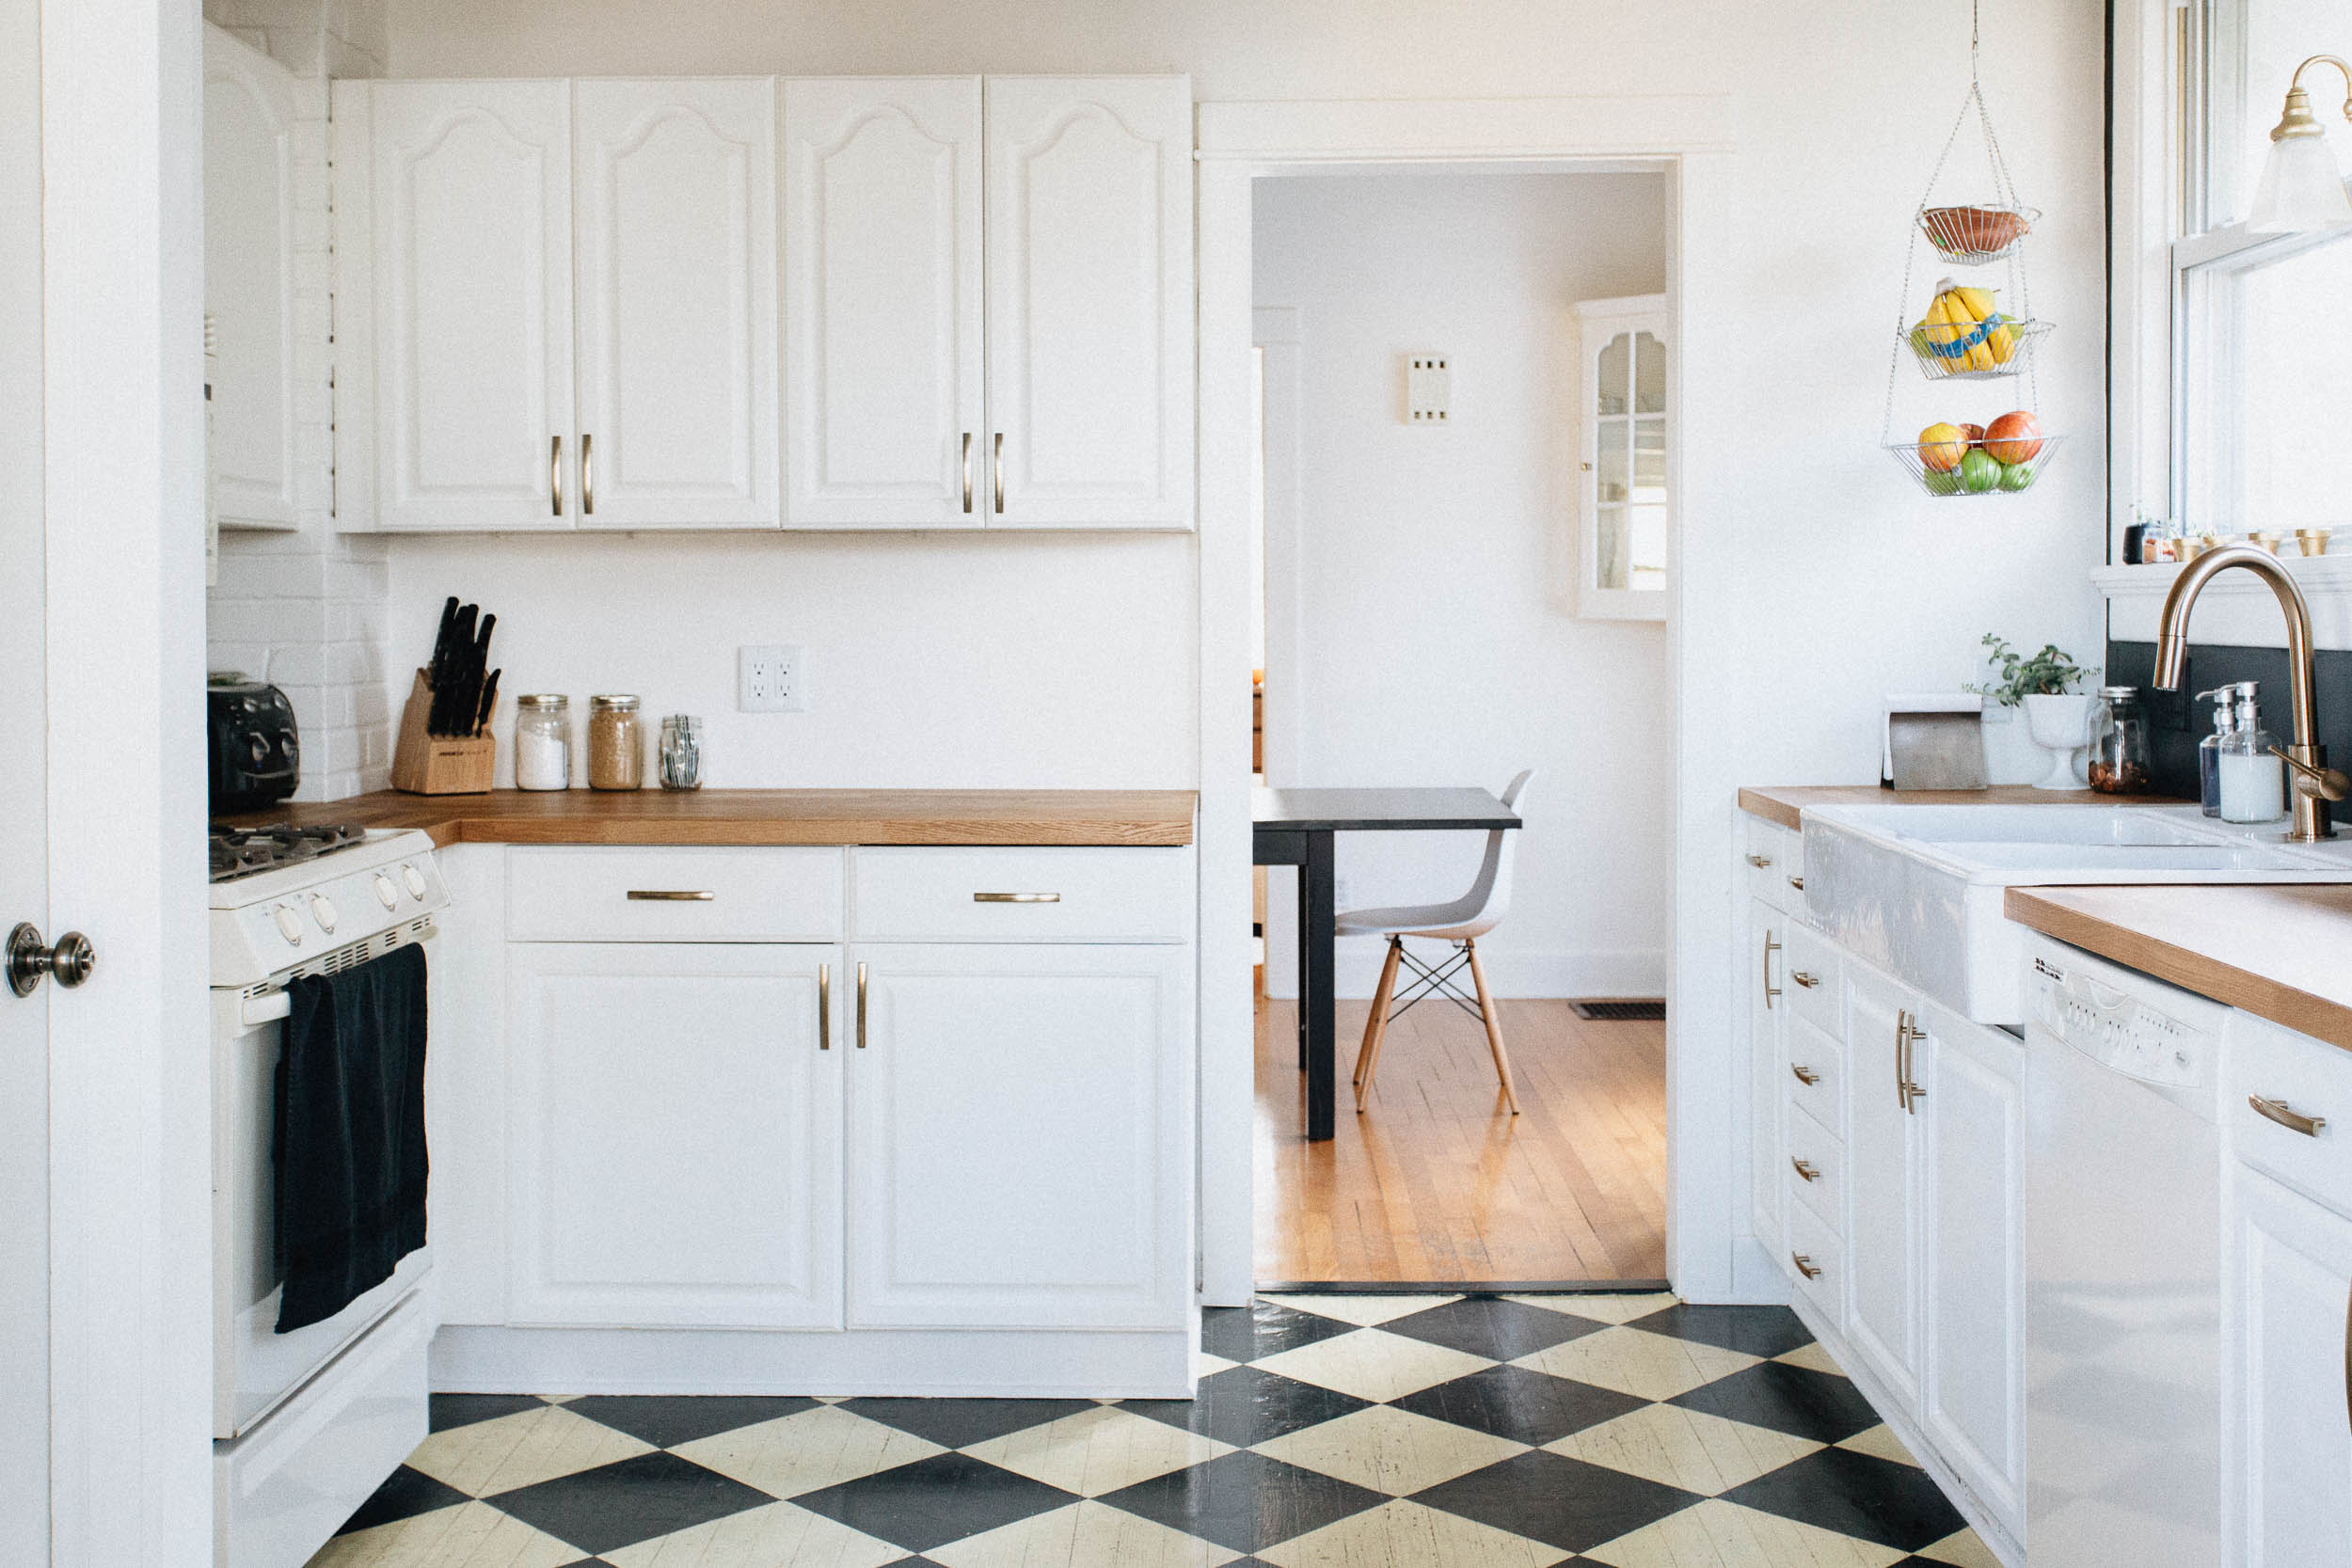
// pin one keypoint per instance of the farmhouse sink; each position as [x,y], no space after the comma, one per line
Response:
[1917,889]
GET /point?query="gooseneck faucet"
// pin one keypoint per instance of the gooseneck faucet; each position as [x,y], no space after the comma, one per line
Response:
[2315,783]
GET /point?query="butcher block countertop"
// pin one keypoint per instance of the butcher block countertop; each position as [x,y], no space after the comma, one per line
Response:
[1784,805]
[2277,951]
[1099,817]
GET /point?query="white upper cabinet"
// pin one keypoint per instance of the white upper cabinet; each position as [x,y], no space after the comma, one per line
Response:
[472,208]
[675,253]
[1089,302]
[883,364]
[250,222]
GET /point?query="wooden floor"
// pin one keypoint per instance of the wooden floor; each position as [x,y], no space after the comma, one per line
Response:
[1437,1180]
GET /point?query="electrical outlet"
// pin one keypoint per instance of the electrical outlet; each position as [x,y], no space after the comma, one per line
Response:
[771,679]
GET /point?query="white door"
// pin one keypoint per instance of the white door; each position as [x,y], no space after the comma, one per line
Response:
[676,1129]
[1089,302]
[1882,1183]
[1766,974]
[1019,1117]
[674,298]
[2287,1435]
[249,280]
[472,297]
[883,341]
[1973,1392]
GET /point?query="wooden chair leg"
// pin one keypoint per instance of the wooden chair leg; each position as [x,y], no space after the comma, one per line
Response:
[1493,1019]
[1377,1026]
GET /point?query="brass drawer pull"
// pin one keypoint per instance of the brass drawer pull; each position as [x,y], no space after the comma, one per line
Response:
[555,476]
[1016,898]
[967,473]
[1804,1171]
[824,1006]
[1804,978]
[1759,862]
[1797,882]
[860,1007]
[1806,1075]
[587,476]
[1805,1265]
[2294,1121]
[671,896]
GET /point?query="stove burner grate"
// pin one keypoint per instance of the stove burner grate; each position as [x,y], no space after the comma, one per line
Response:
[244,852]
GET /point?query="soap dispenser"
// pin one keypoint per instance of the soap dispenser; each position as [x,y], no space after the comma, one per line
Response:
[2254,777]
[2209,748]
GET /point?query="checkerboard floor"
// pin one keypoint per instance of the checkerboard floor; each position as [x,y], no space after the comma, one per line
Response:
[1330,1431]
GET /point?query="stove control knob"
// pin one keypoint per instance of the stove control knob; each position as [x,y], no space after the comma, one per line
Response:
[323,911]
[288,924]
[386,894]
[415,879]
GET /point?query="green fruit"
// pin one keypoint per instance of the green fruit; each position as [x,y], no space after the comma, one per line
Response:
[2016,476]
[1980,471]
[1940,485]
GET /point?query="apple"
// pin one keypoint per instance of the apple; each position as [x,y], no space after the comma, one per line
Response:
[1941,447]
[1940,483]
[2016,476]
[2014,437]
[1975,433]
[1979,472]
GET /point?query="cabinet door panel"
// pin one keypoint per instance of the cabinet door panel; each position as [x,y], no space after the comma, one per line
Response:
[473,302]
[1089,300]
[1019,1118]
[1880,1243]
[883,341]
[2287,1490]
[1767,970]
[677,1136]
[676,236]
[249,115]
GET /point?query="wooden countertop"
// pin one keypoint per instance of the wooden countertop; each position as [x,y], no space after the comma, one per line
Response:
[2277,952]
[1786,804]
[1108,818]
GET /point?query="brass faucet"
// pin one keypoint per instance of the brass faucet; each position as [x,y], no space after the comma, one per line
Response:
[2316,784]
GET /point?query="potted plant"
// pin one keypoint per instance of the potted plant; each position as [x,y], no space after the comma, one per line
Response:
[2057,718]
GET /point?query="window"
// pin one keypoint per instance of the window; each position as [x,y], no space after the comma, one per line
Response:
[2261,377]
[1621,547]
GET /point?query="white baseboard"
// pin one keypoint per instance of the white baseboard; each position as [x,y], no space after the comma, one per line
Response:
[1513,973]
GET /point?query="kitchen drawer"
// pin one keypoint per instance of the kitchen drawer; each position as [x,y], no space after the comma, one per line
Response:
[670,894]
[1812,989]
[1770,854]
[1812,1243]
[1812,1149]
[1022,895]
[1813,1055]
[2311,1078]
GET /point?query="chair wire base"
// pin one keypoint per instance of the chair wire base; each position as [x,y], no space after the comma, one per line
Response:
[1435,982]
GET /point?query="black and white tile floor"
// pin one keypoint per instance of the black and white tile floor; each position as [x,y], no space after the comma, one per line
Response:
[1330,1432]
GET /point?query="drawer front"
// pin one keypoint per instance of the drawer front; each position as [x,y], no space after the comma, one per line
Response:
[1813,973]
[1814,1169]
[1812,1244]
[2298,1078]
[1817,1074]
[1769,849]
[1017,894]
[669,894]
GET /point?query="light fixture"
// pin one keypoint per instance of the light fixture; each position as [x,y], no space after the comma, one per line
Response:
[2301,190]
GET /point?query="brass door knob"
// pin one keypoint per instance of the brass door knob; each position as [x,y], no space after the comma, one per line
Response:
[30,960]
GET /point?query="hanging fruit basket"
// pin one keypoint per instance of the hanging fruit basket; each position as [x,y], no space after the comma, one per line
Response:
[1971,330]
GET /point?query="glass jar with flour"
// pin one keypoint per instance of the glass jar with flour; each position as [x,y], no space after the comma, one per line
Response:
[542,741]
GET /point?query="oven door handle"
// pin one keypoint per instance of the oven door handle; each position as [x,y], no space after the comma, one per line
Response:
[254,1011]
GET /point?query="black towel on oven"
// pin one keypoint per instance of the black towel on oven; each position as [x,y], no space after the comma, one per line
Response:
[348,1147]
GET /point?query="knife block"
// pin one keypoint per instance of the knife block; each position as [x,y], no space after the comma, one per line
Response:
[427,764]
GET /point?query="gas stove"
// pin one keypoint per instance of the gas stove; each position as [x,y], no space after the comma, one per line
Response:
[243,852]
[289,902]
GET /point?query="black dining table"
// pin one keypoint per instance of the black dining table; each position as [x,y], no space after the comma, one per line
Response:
[1296,827]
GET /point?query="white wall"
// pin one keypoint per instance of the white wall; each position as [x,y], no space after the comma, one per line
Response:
[1435,637]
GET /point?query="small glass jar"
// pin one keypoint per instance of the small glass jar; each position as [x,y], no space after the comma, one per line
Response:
[542,741]
[2119,742]
[681,752]
[616,743]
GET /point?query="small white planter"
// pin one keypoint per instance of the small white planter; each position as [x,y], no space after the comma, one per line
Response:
[2010,757]
[2061,727]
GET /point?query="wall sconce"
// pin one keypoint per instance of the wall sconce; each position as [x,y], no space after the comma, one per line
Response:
[2302,191]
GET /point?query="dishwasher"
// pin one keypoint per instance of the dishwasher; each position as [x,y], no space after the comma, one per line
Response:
[2122,1266]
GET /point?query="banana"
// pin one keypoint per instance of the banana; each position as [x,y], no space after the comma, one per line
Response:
[1979,301]
[2000,339]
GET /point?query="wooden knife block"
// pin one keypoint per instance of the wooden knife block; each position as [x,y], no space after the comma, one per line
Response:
[426,764]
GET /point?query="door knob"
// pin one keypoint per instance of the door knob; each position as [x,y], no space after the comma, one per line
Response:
[30,960]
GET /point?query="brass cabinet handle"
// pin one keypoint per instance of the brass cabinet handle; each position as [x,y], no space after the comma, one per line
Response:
[967,473]
[1806,1075]
[587,476]
[555,475]
[1797,882]
[1771,990]
[2294,1121]
[1000,473]
[1805,978]
[671,896]
[1805,1265]
[1907,1094]
[1804,1171]
[824,1006]
[1759,862]
[1016,898]
[860,1007]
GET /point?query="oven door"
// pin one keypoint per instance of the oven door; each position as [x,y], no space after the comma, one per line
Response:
[254,1367]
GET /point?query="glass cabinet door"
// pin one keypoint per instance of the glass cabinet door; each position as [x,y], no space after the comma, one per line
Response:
[1622,533]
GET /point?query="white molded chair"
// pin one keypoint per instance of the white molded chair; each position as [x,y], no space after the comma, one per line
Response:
[1462,923]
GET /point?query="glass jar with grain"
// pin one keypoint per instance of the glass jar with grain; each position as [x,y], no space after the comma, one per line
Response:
[616,743]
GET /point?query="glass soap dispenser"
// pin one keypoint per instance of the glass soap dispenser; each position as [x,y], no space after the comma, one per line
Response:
[2209,748]
[2254,777]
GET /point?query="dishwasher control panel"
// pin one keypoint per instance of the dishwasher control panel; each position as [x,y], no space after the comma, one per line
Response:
[2124,1022]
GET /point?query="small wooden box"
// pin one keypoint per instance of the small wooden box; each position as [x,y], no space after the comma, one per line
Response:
[426,764]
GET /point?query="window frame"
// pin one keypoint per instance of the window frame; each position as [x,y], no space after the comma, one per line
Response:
[1598,321]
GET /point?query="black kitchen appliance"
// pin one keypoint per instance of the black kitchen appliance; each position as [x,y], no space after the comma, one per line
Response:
[256,754]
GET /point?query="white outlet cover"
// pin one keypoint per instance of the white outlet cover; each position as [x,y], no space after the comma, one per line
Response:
[772,678]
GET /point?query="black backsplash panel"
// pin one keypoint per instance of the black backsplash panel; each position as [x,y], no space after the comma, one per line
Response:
[2177,721]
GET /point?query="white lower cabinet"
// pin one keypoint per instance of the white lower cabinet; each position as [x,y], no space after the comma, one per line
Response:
[1766,969]
[1882,1135]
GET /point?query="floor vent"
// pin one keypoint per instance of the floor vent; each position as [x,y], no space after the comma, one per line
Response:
[1652,1011]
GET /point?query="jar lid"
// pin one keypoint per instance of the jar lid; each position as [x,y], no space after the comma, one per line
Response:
[2113,694]
[543,699]
[620,702]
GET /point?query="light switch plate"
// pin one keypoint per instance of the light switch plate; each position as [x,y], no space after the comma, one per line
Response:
[1428,389]
[772,678]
